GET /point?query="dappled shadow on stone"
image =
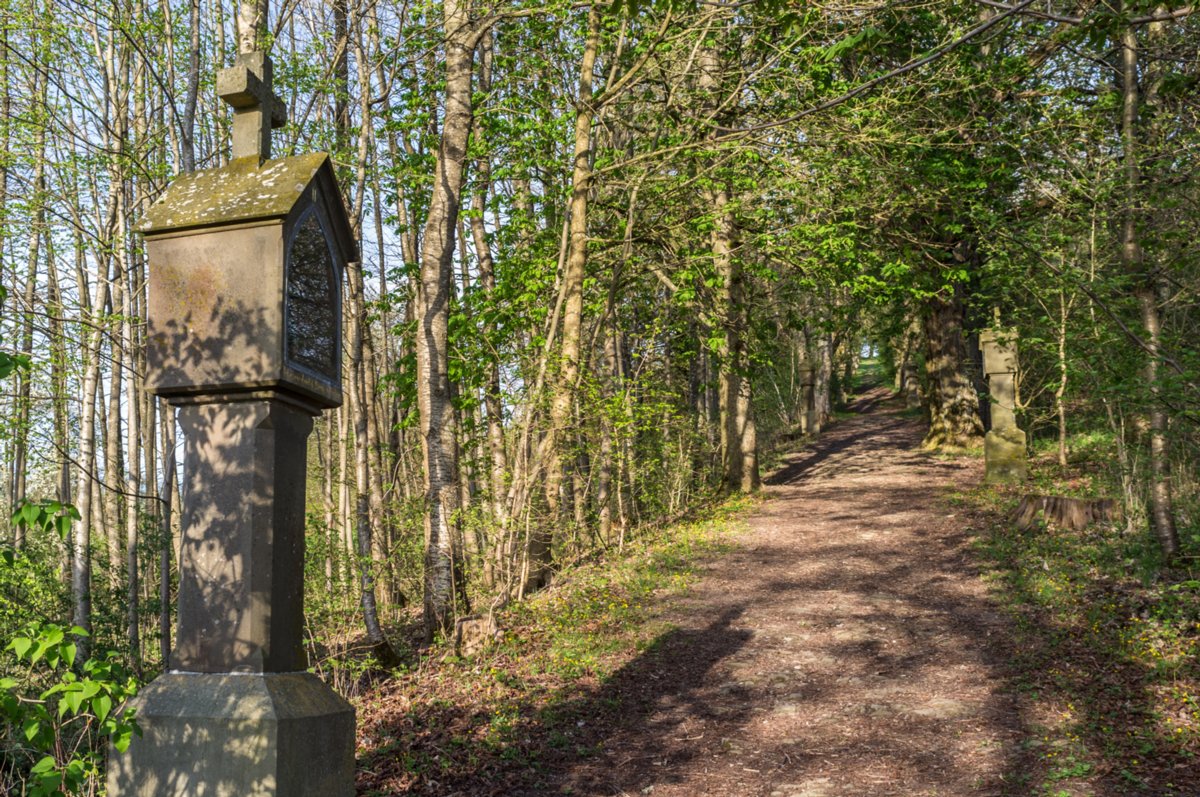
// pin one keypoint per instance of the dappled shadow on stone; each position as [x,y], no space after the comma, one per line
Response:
[237,714]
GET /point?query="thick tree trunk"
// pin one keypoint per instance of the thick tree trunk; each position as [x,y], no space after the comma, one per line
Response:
[739,443]
[251,24]
[849,369]
[953,403]
[823,386]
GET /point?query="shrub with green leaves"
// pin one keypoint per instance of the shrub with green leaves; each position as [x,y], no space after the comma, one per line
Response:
[59,713]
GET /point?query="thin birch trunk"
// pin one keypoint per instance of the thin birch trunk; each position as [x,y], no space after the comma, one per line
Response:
[81,548]
[58,377]
[438,440]
[363,520]
[492,399]
[1060,392]
[571,289]
[1162,514]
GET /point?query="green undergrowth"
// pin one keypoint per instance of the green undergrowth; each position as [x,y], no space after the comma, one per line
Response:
[540,693]
[608,608]
[1105,654]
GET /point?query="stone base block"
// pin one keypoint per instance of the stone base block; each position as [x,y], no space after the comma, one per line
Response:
[1004,457]
[219,735]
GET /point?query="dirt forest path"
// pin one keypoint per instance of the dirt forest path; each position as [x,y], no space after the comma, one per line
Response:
[846,647]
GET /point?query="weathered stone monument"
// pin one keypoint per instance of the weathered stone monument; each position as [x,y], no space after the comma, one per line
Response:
[810,419]
[1004,446]
[910,385]
[244,339]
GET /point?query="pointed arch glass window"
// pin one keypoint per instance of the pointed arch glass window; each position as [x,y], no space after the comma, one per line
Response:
[311,306]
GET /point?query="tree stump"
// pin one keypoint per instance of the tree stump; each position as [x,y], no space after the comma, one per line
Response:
[1067,513]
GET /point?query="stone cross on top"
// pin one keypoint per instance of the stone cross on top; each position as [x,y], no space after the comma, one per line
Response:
[256,110]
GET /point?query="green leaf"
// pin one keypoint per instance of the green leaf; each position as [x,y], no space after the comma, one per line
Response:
[122,739]
[101,707]
[20,645]
[73,700]
[43,766]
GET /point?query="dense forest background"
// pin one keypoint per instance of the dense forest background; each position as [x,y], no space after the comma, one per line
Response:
[602,245]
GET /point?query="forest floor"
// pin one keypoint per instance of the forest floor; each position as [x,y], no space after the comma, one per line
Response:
[845,641]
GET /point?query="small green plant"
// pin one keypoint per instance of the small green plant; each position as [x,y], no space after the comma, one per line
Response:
[61,734]
[60,712]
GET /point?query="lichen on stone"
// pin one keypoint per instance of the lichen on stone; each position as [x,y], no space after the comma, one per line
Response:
[241,190]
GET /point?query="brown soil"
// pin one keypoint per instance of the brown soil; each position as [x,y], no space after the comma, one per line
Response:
[848,647]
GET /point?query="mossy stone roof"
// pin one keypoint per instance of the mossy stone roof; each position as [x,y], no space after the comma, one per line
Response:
[242,190]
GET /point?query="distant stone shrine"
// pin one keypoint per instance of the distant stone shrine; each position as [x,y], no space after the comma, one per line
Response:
[1004,445]
[245,268]
[910,385]
[810,419]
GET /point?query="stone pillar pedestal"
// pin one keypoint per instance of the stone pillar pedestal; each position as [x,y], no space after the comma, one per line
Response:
[1004,446]
[910,386]
[810,423]
[237,715]
[1004,455]
[226,735]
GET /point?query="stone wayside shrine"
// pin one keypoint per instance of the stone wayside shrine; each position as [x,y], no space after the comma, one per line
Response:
[1004,446]
[244,339]
[810,422]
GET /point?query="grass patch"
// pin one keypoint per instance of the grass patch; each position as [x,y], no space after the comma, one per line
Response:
[1106,654]
[502,718]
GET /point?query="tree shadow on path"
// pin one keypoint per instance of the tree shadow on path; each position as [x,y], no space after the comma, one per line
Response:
[550,745]
[845,647]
